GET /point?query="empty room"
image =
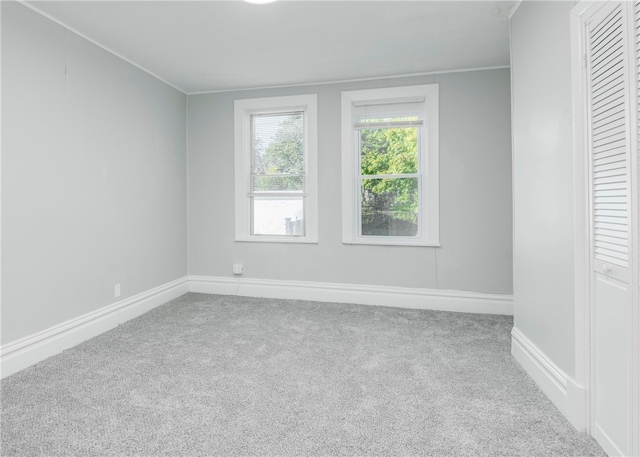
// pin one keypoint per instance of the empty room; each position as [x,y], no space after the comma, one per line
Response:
[320,227]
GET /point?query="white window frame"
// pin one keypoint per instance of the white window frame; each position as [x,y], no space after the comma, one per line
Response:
[243,109]
[428,211]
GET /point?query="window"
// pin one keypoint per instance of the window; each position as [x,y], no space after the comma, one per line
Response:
[390,166]
[276,169]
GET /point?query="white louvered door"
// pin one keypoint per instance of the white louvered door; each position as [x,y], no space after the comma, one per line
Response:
[636,303]
[609,147]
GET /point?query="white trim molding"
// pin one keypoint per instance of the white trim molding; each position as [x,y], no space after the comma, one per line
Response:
[398,297]
[387,100]
[20,354]
[243,166]
[582,229]
[352,80]
[564,392]
[24,352]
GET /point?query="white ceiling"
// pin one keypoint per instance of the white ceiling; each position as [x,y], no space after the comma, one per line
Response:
[201,46]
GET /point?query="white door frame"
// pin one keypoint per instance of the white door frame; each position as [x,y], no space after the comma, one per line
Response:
[581,227]
[635,222]
[582,234]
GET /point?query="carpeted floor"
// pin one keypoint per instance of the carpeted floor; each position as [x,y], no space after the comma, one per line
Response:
[209,375]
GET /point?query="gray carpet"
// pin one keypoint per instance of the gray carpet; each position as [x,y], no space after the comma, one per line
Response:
[220,375]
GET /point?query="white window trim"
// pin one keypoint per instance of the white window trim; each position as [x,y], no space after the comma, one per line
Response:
[242,112]
[430,202]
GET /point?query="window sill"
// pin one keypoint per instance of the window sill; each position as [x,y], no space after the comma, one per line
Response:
[277,239]
[419,244]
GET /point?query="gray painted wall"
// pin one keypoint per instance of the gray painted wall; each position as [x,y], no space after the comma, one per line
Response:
[93,176]
[543,179]
[475,195]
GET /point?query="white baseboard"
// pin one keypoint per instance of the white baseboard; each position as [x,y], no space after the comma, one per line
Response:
[32,349]
[399,297]
[607,443]
[568,396]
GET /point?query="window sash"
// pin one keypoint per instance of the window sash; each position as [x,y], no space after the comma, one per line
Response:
[288,222]
[360,177]
[379,115]
[270,186]
[268,132]
[392,213]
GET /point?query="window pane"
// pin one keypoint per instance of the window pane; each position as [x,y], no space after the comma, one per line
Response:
[389,207]
[277,143]
[389,151]
[278,216]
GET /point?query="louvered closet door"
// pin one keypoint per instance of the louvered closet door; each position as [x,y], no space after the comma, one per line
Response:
[609,101]
[636,356]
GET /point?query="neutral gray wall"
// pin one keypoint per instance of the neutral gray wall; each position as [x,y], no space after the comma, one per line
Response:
[475,195]
[93,176]
[543,178]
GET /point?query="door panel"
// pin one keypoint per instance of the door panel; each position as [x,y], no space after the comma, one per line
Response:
[612,346]
[609,153]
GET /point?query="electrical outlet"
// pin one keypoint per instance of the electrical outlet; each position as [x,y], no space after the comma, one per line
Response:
[117,291]
[238,269]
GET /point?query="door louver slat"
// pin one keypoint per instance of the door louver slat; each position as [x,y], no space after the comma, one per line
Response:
[607,232]
[606,257]
[614,81]
[606,200]
[637,32]
[606,76]
[608,173]
[609,120]
[611,165]
[603,40]
[607,61]
[613,240]
[610,128]
[609,139]
[609,156]
[612,247]
[605,227]
[603,29]
[606,115]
